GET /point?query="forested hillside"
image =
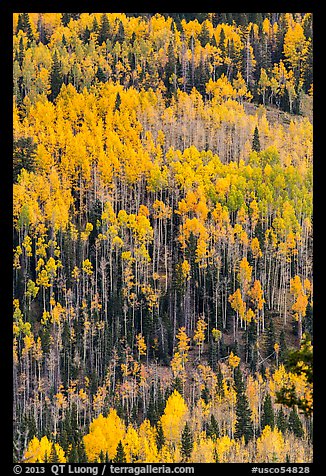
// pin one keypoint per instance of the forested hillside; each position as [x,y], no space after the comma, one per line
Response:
[163,298]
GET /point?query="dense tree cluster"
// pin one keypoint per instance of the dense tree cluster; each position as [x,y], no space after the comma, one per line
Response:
[163,238]
[264,56]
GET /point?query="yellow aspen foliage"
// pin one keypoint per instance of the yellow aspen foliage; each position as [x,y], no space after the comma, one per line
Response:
[256,294]
[148,451]
[271,446]
[43,279]
[223,447]
[60,400]
[166,455]
[174,417]
[27,244]
[237,303]
[217,335]
[32,290]
[161,210]
[199,334]
[104,435]
[203,450]
[38,351]
[17,253]
[87,267]
[300,305]
[183,342]
[296,286]
[254,394]
[131,444]
[28,344]
[244,275]
[141,344]
[234,360]
[221,89]
[255,248]
[250,315]
[295,45]
[39,450]
[177,366]
[85,234]
[307,286]
[185,270]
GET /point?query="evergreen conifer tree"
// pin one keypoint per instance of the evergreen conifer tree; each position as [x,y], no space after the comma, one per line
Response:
[56,78]
[256,141]
[104,30]
[295,425]
[213,431]
[120,456]
[244,425]
[270,337]
[117,102]
[53,458]
[187,443]
[281,421]
[268,413]
[160,439]
[283,347]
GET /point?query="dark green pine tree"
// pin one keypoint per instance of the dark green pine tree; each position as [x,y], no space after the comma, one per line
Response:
[268,413]
[120,456]
[219,384]
[54,457]
[151,410]
[20,23]
[100,75]
[177,385]
[160,439]
[160,401]
[250,348]
[308,322]
[73,455]
[104,31]
[213,430]
[256,141]
[24,24]
[213,354]
[21,52]
[81,451]
[283,347]
[24,151]
[187,443]
[86,35]
[295,425]
[102,457]
[223,50]
[238,381]
[56,78]
[281,421]
[201,76]
[205,395]
[244,425]
[95,26]
[204,36]
[117,102]
[170,69]
[65,19]
[270,337]
[120,36]
[221,44]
